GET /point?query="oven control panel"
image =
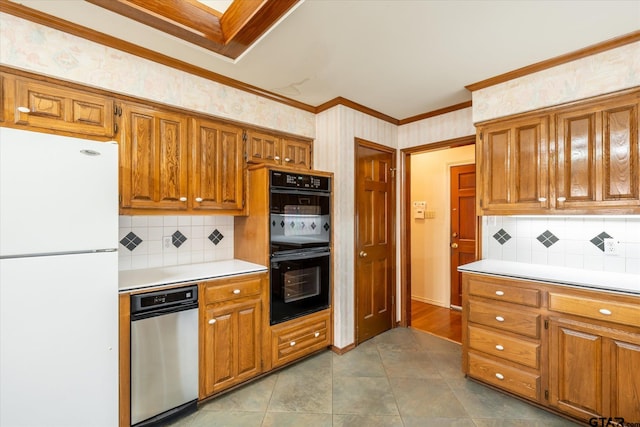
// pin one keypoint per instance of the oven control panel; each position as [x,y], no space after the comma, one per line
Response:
[293,180]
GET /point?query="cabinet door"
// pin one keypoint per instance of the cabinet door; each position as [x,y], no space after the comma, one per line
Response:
[296,153]
[232,351]
[52,107]
[597,157]
[217,181]
[153,159]
[263,148]
[514,166]
[624,378]
[575,369]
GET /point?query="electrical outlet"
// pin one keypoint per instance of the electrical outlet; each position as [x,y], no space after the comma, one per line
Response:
[167,242]
[611,246]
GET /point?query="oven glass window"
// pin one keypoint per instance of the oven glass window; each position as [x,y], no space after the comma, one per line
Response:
[300,284]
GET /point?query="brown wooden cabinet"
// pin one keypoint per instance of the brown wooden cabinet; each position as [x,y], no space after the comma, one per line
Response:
[231,332]
[300,337]
[273,150]
[582,158]
[513,165]
[165,166]
[153,159]
[217,167]
[574,351]
[49,107]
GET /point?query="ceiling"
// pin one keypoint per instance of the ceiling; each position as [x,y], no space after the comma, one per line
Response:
[400,58]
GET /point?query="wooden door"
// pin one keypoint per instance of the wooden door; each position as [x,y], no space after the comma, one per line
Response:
[575,369]
[463,225]
[153,159]
[232,347]
[296,153]
[375,287]
[217,179]
[514,164]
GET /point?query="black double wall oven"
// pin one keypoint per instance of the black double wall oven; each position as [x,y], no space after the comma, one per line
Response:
[300,218]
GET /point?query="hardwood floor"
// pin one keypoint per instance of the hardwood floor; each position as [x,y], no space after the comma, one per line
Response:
[440,321]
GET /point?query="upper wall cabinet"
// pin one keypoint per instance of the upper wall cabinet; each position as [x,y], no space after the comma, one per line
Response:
[581,159]
[269,149]
[513,160]
[172,162]
[49,107]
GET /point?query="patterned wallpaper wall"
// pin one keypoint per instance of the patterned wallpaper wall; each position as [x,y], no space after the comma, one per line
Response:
[575,241]
[43,50]
[609,71]
[158,241]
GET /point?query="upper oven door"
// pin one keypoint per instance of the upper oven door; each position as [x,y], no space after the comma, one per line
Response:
[299,219]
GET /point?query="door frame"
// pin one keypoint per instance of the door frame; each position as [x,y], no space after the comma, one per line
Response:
[405,216]
[392,235]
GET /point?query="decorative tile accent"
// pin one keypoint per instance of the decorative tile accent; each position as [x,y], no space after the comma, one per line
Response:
[547,238]
[178,239]
[326,226]
[313,225]
[502,236]
[216,237]
[292,224]
[273,223]
[598,241]
[131,241]
[282,224]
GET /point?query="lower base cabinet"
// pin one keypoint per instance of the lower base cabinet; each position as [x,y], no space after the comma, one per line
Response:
[574,351]
[299,337]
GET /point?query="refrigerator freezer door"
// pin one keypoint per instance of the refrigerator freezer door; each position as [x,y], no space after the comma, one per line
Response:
[57,194]
[59,341]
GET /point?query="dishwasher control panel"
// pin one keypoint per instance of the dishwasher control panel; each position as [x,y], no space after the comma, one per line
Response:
[160,301]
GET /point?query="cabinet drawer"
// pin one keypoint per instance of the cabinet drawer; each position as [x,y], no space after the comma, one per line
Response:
[504,292]
[231,289]
[290,342]
[504,377]
[509,319]
[516,350]
[594,308]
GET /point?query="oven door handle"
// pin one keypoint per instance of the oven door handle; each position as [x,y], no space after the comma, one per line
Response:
[298,255]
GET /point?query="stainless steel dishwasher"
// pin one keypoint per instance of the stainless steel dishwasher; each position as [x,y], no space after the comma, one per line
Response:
[164,355]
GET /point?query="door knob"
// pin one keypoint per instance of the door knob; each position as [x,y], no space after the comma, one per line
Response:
[454,245]
[363,254]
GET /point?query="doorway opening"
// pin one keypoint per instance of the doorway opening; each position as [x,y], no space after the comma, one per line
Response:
[429,242]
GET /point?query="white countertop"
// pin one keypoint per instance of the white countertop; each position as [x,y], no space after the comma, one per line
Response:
[602,280]
[150,277]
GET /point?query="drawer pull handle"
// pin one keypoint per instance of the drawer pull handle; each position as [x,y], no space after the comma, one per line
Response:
[292,343]
[500,318]
[183,199]
[499,376]
[605,311]
[212,321]
[198,199]
[236,291]
[317,334]
[499,347]
[499,293]
[562,199]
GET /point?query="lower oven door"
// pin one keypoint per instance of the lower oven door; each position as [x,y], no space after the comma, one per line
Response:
[299,284]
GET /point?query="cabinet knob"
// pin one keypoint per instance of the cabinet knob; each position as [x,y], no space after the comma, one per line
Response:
[542,199]
[24,109]
[499,376]
[212,321]
[561,199]
[605,311]
[183,199]
[500,318]
[292,343]
[286,159]
[500,293]
[499,347]
[236,291]
[317,334]
[198,199]
[277,157]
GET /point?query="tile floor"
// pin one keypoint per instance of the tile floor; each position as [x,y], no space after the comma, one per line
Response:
[403,377]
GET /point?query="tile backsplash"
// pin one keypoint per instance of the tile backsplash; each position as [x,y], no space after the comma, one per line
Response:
[158,241]
[570,241]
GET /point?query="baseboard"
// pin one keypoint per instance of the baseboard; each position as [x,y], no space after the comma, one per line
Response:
[343,350]
[430,301]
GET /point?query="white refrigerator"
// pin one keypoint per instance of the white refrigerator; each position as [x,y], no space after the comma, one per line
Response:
[58,281]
